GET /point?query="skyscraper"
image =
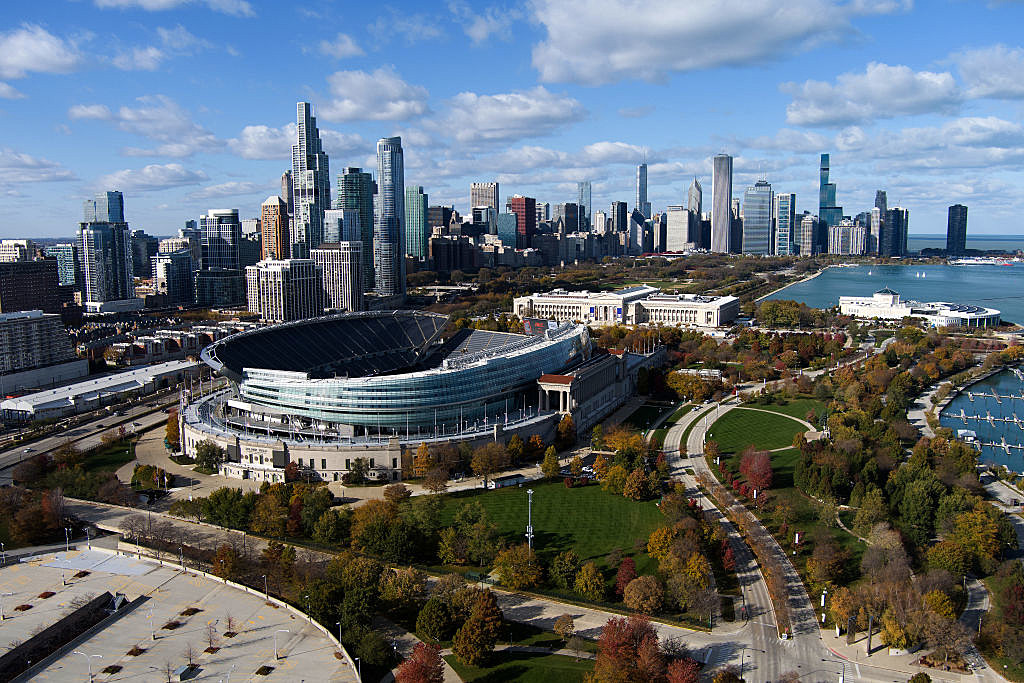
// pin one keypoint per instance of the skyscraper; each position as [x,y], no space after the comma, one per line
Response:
[484,194]
[642,205]
[956,230]
[828,213]
[583,202]
[355,191]
[105,249]
[785,224]
[311,184]
[274,228]
[389,225]
[342,283]
[525,209]
[757,219]
[721,204]
[416,231]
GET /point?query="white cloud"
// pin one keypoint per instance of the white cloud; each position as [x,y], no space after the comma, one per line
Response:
[480,23]
[603,41]
[8,92]
[378,96]
[151,178]
[159,118]
[509,116]
[17,167]
[32,48]
[239,8]
[992,72]
[233,188]
[140,59]
[882,91]
[340,47]
[266,142]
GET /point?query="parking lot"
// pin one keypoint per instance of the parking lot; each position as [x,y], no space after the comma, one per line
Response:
[202,608]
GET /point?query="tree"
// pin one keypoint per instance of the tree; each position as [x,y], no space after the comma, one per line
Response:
[421,461]
[589,582]
[436,480]
[435,620]
[396,493]
[424,666]
[171,432]
[518,567]
[550,467]
[488,459]
[626,573]
[644,594]
[209,455]
[564,568]
[628,651]
[566,433]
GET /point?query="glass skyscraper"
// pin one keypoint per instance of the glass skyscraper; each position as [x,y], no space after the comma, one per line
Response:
[355,191]
[416,223]
[389,226]
[757,219]
[311,184]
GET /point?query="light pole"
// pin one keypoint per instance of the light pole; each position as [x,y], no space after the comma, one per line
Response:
[88,658]
[280,630]
[529,518]
[2,596]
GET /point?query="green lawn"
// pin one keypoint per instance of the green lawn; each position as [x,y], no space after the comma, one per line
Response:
[588,520]
[524,666]
[110,458]
[740,428]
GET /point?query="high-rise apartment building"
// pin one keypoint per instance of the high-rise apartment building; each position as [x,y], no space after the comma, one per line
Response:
[274,229]
[355,191]
[311,184]
[642,205]
[785,242]
[416,231]
[721,204]
[389,226]
[105,250]
[757,219]
[829,213]
[525,209]
[173,276]
[340,266]
[956,230]
[484,194]
[583,191]
[68,272]
[284,290]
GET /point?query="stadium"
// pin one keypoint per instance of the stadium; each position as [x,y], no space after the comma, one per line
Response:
[324,391]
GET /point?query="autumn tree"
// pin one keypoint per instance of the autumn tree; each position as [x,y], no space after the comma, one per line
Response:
[424,666]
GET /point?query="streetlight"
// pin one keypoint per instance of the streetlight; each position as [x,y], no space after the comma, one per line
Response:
[280,630]
[88,658]
[529,518]
[2,596]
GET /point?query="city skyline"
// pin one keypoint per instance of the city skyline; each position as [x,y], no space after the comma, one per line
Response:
[936,124]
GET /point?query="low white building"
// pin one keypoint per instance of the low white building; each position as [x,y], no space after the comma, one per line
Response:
[631,306]
[886,304]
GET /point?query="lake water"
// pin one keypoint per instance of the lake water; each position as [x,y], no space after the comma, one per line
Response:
[1004,383]
[1000,287]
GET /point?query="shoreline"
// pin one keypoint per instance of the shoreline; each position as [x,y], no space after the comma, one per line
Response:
[791,284]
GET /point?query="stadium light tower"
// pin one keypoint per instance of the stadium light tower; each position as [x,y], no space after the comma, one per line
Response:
[529,518]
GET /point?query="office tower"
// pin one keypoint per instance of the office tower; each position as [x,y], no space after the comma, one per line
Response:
[16,250]
[29,285]
[68,273]
[506,227]
[439,216]
[105,250]
[105,207]
[543,212]
[620,217]
[484,194]
[355,191]
[284,290]
[829,213]
[569,213]
[274,229]
[583,202]
[721,204]
[220,281]
[678,231]
[342,225]
[642,205]
[311,184]
[525,209]
[894,232]
[144,247]
[389,226]
[956,230]
[757,219]
[288,192]
[172,276]
[340,264]
[695,198]
[784,211]
[416,232]
[808,231]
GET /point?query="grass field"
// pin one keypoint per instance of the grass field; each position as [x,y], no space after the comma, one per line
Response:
[588,520]
[740,428]
[111,458]
[524,666]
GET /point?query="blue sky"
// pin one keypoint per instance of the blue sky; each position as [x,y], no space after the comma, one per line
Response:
[190,105]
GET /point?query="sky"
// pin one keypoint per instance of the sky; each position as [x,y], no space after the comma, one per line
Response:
[188,105]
